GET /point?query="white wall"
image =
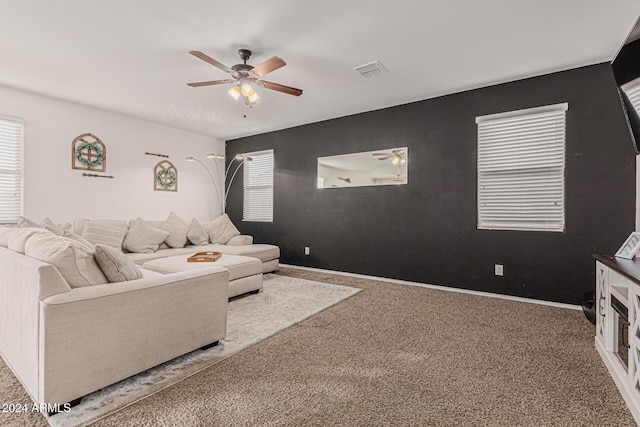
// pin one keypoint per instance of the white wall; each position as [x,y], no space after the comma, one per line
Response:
[53,189]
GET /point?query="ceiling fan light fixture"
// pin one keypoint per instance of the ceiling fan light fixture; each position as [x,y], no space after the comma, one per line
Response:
[247,89]
[235,92]
[253,98]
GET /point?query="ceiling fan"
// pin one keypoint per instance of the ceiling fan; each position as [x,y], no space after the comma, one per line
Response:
[398,156]
[244,74]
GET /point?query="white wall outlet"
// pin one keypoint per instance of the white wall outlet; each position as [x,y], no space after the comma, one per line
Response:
[499,269]
[307,250]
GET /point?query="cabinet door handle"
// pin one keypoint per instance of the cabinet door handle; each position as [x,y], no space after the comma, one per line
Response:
[625,334]
[600,306]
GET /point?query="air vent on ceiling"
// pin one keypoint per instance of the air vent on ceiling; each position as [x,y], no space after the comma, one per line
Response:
[372,69]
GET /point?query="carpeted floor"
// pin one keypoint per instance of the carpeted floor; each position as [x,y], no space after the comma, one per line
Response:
[401,355]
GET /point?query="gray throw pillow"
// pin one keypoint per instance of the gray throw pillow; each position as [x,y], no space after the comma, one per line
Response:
[115,265]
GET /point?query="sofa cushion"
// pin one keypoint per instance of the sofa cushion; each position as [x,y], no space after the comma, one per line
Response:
[18,238]
[261,251]
[74,262]
[115,265]
[177,229]
[221,229]
[103,231]
[143,237]
[197,235]
[5,232]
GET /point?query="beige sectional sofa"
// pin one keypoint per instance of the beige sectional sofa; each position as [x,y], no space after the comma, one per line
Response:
[63,342]
[78,312]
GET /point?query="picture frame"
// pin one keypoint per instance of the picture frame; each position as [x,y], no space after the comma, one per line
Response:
[630,247]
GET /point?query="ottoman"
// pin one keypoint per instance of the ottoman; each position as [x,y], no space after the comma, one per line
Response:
[245,273]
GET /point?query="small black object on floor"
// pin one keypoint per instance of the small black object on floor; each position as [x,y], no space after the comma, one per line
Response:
[589,308]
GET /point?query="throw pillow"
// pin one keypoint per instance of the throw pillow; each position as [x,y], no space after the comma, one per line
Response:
[24,222]
[74,262]
[115,265]
[142,237]
[197,235]
[5,232]
[18,239]
[53,227]
[105,231]
[177,229]
[221,230]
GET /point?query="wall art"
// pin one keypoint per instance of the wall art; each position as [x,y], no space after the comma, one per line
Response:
[165,177]
[88,153]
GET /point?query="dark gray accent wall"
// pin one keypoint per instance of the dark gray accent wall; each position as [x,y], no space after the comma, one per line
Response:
[426,231]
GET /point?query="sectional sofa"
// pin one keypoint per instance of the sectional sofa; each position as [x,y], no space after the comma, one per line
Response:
[78,313]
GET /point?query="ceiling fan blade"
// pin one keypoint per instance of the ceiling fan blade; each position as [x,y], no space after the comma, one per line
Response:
[210,60]
[268,66]
[280,88]
[210,83]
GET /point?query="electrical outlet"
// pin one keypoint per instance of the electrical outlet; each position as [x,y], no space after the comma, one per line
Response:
[499,270]
[307,250]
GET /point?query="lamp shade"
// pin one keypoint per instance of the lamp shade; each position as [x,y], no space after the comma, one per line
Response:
[235,92]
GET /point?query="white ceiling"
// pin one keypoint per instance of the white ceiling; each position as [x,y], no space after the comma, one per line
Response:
[132,56]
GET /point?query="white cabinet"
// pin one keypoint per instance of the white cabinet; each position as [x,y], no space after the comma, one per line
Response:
[618,325]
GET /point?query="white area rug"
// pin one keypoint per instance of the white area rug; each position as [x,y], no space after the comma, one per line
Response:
[283,302]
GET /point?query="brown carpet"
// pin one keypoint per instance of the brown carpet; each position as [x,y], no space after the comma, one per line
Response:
[394,355]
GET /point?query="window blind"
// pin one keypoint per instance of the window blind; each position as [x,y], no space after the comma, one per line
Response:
[258,187]
[632,90]
[521,157]
[11,141]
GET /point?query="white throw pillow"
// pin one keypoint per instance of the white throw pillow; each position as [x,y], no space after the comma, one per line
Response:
[221,229]
[115,265]
[5,232]
[105,231]
[18,239]
[74,262]
[197,235]
[177,229]
[143,237]
[24,222]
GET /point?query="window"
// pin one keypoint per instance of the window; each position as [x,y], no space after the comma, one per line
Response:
[11,141]
[521,169]
[258,187]
[632,90]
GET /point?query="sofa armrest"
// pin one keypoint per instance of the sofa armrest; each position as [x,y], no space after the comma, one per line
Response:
[97,335]
[240,240]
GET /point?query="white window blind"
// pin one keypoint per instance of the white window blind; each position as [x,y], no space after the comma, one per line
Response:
[11,141]
[521,157]
[258,187]
[632,90]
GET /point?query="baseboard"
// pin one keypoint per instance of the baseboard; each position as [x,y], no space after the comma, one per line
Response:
[442,288]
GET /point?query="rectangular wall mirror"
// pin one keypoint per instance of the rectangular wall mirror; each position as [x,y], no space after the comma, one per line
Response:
[379,167]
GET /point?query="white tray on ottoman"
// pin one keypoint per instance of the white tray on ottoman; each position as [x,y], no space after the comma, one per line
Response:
[245,273]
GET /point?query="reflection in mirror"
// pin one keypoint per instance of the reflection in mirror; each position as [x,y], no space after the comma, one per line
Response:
[380,167]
